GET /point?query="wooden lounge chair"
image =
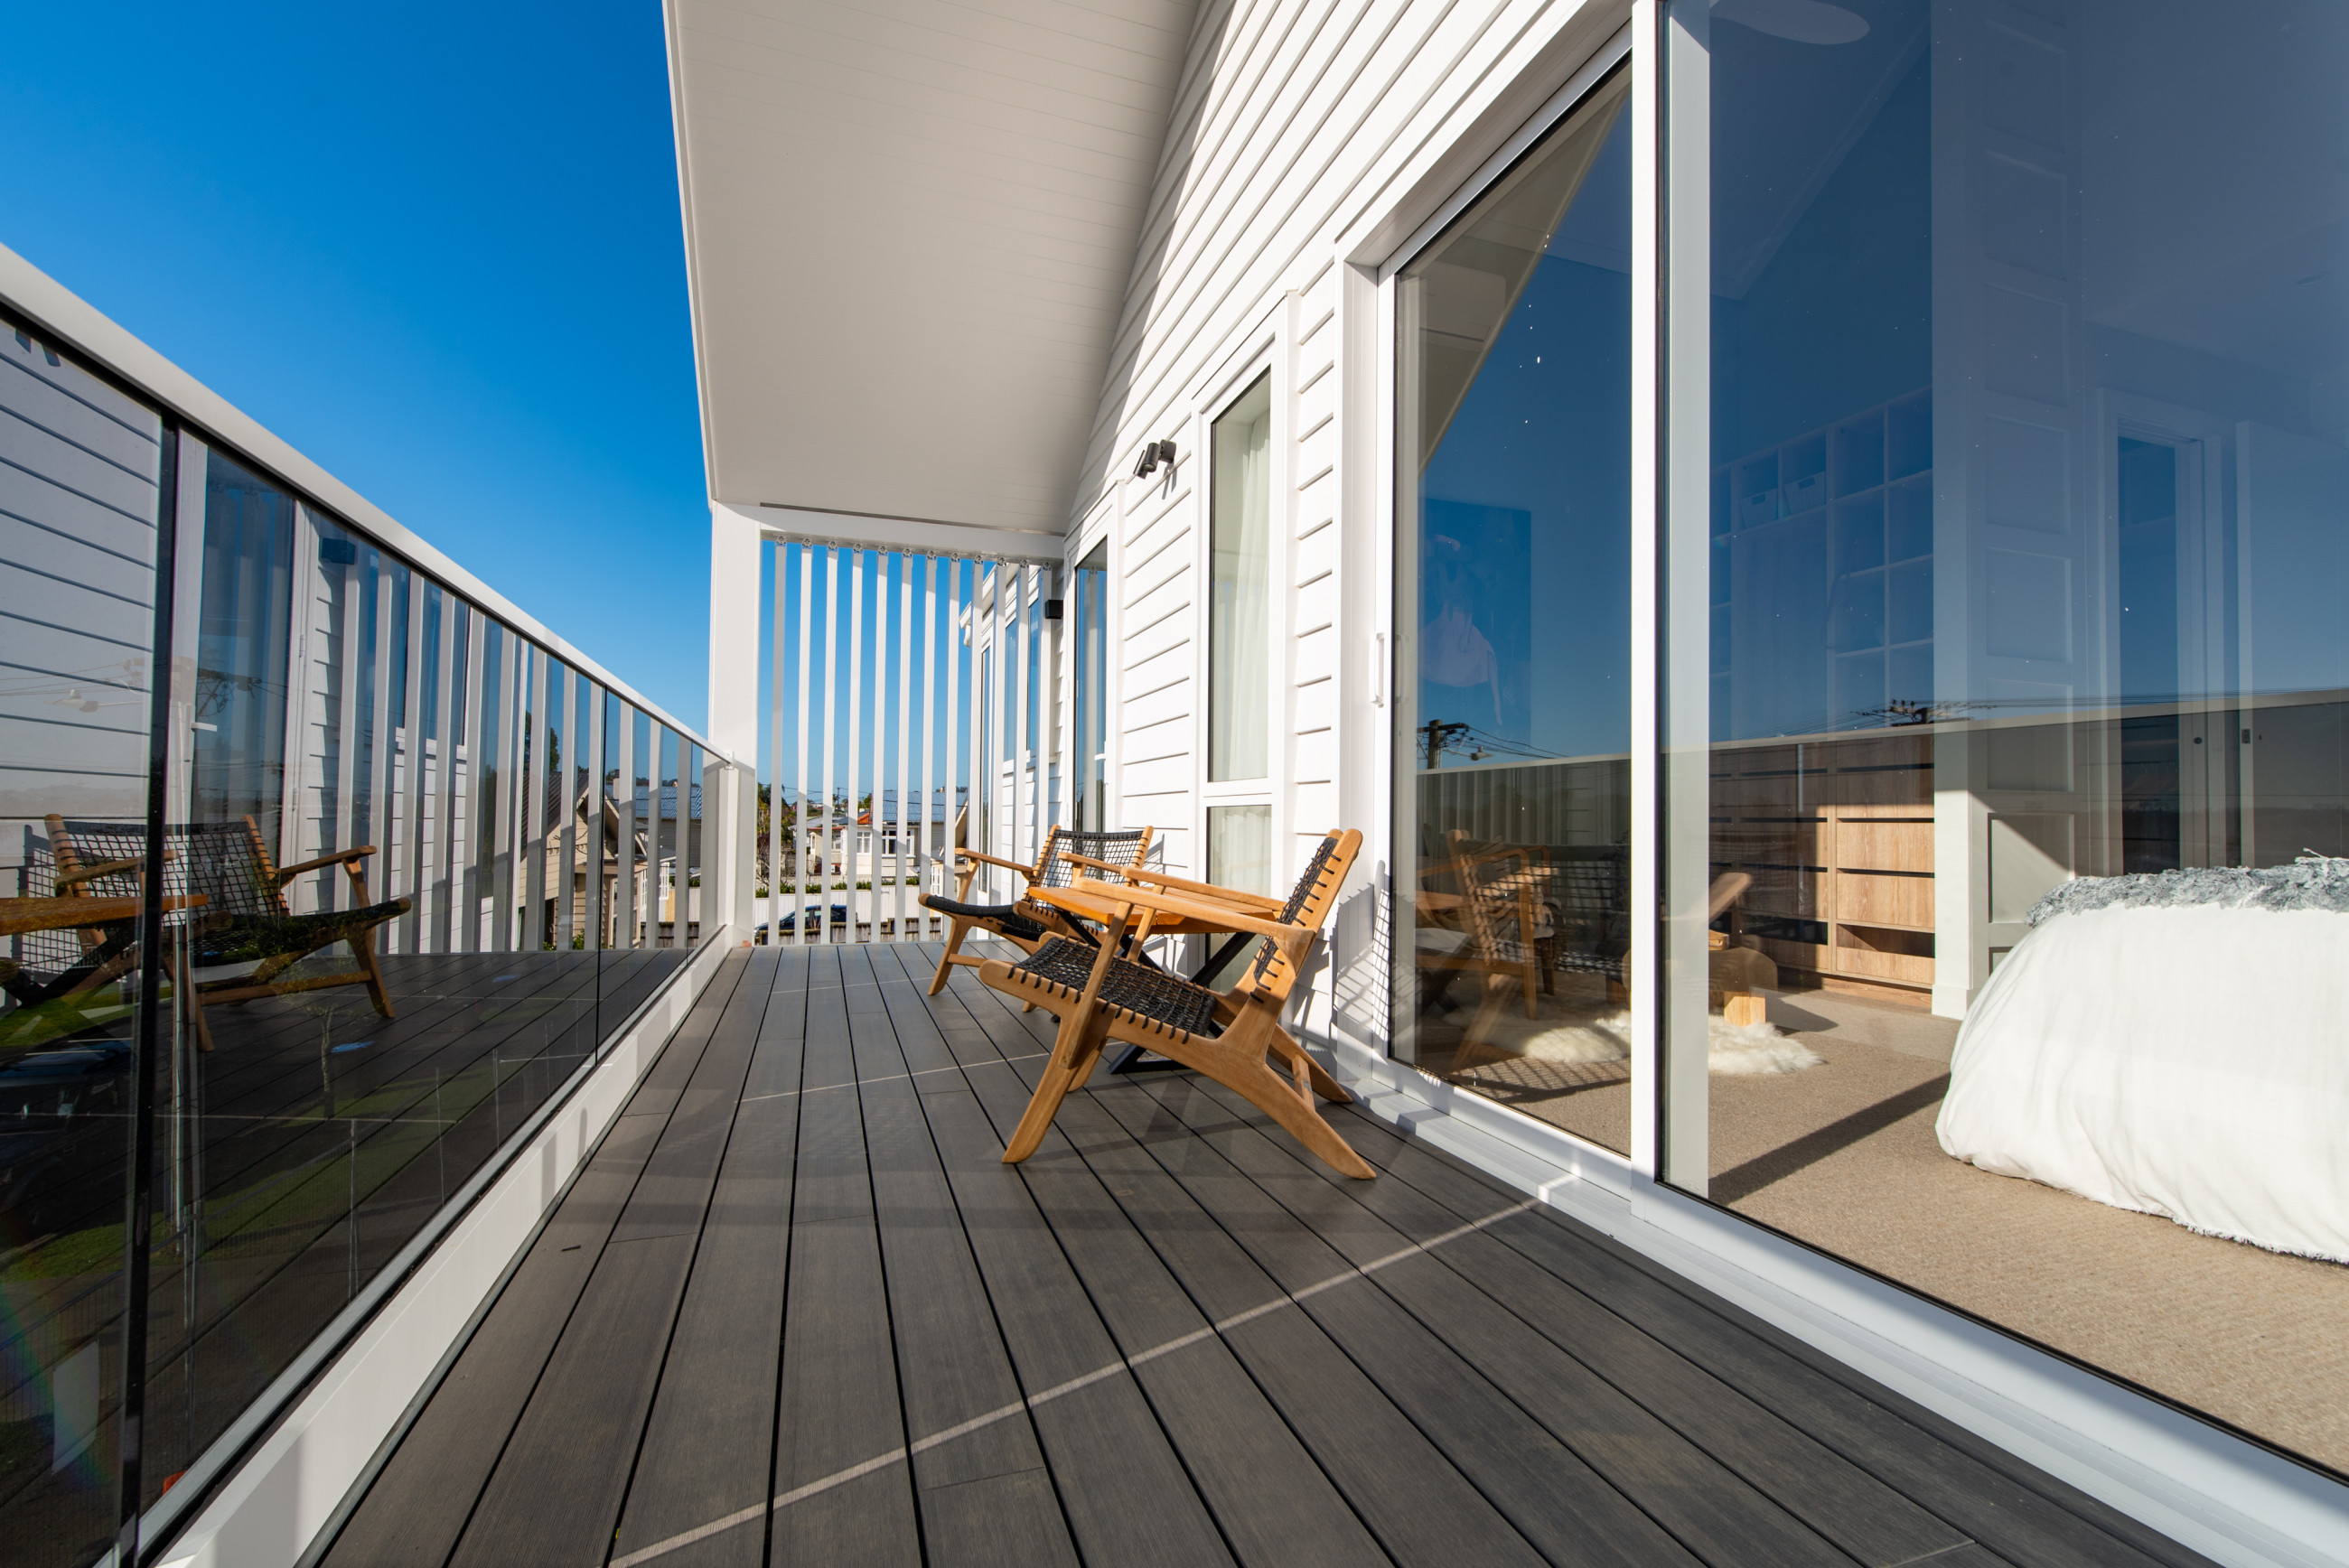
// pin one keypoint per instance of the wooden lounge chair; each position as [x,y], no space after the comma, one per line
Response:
[1024,923]
[1233,1037]
[243,918]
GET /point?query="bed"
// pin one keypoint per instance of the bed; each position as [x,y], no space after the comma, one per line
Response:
[2175,1044]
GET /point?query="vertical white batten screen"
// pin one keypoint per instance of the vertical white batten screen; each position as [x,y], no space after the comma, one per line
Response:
[898,724]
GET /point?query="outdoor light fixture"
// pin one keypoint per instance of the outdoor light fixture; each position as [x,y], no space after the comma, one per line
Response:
[1153,454]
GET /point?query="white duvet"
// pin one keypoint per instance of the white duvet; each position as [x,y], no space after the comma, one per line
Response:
[2188,1062]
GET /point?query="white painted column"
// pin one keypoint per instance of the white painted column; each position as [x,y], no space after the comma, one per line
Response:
[803,821]
[905,734]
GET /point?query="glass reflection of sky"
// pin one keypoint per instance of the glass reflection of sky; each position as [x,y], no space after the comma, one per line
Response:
[1525,534]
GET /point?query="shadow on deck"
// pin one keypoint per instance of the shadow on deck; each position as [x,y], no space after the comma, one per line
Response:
[796,1311]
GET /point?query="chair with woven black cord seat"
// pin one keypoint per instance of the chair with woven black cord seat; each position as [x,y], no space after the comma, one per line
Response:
[1024,923]
[243,917]
[1233,1037]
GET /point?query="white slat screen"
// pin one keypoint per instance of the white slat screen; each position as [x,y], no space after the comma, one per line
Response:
[910,708]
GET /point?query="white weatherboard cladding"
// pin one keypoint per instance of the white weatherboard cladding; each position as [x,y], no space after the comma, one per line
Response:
[1294,127]
[78,469]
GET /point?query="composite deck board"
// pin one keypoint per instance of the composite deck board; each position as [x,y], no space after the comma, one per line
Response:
[1420,1508]
[845,1493]
[1414,1503]
[1477,1379]
[555,1494]
[1863,1517]
[708,1448]
[1127,1495]
[1272,1503]
[2033,1523]
[796,1310]
[417,1509]
[985,1494]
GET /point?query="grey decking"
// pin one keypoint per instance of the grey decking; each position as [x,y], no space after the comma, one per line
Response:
[795,1311]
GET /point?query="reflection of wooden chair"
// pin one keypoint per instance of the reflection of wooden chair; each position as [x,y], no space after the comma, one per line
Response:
[1496,903]
[1024,923]
[1233,1037]
[243,918]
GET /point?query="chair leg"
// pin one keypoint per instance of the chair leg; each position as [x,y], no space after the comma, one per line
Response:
[365,948]
[1262,1088]
[954,929]
[1318,1076]
[191,1002]
[1070,1063]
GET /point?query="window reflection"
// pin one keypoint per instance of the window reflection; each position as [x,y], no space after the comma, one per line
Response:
[2030,483]
[1239,575]
[1513,703]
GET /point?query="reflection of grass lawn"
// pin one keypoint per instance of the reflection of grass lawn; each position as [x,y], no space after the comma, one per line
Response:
[98,1250]
[47,1023]
[309,1195]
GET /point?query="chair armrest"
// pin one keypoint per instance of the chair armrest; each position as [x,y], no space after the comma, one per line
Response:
[1208,912]
[288,873]
[990,859]
[103,868]
[1220,895]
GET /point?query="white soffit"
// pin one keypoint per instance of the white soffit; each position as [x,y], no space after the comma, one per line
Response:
[909,228]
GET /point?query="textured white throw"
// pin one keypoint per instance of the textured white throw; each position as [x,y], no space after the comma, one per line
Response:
[1563,1033]
[2192,1062]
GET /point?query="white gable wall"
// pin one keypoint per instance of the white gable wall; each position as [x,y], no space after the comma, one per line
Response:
[1307,141]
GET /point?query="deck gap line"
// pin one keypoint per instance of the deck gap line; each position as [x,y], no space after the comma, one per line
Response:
[1060,1390]
[883,1077]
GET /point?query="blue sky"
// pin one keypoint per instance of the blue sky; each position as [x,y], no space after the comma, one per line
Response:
[435,247]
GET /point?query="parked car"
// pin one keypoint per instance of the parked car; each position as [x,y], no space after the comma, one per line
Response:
[792,922]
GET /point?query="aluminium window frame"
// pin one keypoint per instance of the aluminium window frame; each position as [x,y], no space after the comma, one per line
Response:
[1636,46]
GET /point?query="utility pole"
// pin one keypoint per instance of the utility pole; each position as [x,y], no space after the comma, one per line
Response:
[1439,734]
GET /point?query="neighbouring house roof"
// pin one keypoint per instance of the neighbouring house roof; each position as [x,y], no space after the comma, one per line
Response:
[909,230]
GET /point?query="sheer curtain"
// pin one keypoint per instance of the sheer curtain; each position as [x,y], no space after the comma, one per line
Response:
[1239,588]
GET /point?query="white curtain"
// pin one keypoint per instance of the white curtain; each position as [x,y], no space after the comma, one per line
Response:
[1239,591]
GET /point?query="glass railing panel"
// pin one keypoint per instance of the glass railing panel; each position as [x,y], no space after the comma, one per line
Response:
[79,496]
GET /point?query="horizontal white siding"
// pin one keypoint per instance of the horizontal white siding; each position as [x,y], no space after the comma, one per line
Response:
[1292,122]
[78,468]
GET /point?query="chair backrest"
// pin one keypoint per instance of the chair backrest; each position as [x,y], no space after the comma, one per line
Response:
[226,862]
[1310,902]
[1499,894]
[1117,846]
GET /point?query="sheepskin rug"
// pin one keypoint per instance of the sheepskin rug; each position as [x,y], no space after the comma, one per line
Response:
[1568,1034]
